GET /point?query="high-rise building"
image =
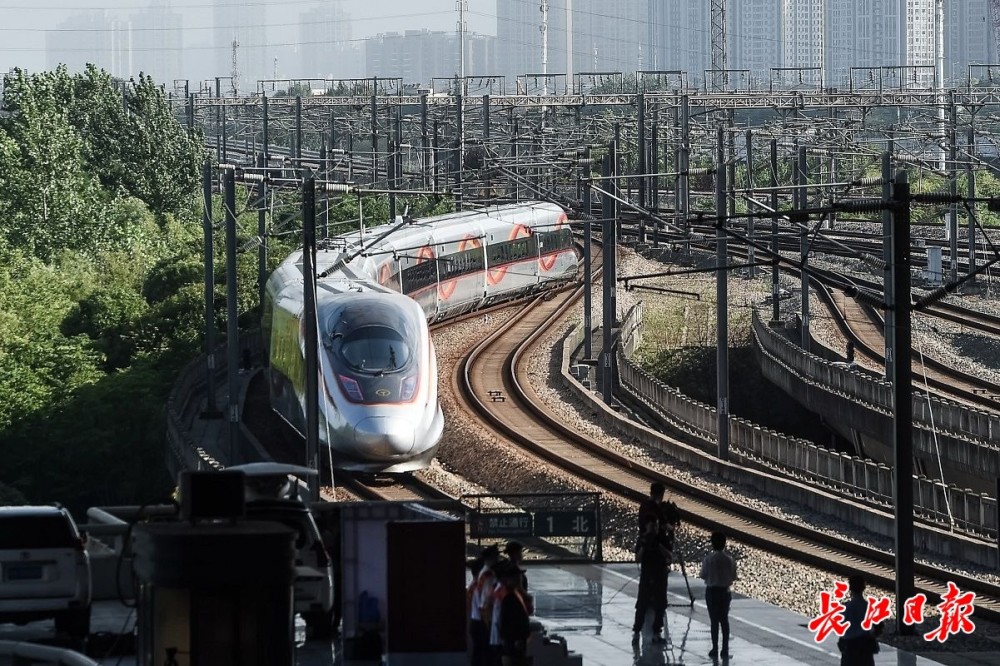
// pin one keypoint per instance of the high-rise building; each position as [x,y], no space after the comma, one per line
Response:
[901,33]
[418,56]
[618,33]
[326,50]
[829,37]
[681,37]
[241,22]
[802,33]
[968,38]
[91,37]
[753,32]
[157,42]
[918,49]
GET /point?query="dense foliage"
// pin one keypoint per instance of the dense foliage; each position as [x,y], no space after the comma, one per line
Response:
[97,202]
[101,280]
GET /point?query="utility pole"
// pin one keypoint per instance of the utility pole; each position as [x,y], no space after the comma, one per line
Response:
[235,73]
[775,270]
[641,166]
[211,409]
[588,220]
[718,37]
[751,255]
[218,122]
[298,132]
[232,314]
[970,175]
[802,202]
[952,163]
[887,221]
[544,28]
[463,6]
[609,252]
[569,47]
[722,296]
[262,234]
[939,81]
[902,389]
[309,330]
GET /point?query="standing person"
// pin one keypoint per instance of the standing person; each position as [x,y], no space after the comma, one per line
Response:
[482,606]
[858,646]
[671,515]
[515,553]
[653,556]
[651,508]
[719,572]
[514,619]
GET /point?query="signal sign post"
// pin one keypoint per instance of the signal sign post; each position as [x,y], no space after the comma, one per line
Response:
[543,516]
[565,523]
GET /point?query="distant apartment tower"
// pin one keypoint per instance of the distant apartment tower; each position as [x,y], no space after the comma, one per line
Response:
[157,43]
[680,37]
[613,37]
[968,38]
[94,37]
[619,33]
[417,56]
[754,37]
[326,49]
[919,46]
[885,33]
[802,34]
[241,21]
[828,37]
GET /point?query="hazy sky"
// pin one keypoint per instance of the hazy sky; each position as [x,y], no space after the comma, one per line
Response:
[23,22]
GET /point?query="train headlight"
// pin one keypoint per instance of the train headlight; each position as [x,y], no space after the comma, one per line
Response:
[408,389]
[351,389]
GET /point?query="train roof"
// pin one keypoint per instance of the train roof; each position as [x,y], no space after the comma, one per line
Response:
[353,266]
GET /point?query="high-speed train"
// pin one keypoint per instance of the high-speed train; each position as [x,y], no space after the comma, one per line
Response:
[378,290]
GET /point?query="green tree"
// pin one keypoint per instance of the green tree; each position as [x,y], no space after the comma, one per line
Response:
[109,317]
[49,200]
[134,143]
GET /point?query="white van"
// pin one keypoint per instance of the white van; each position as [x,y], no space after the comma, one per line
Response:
[44,569]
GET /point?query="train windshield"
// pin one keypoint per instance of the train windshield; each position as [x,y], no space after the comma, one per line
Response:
[373,336]
[375,350]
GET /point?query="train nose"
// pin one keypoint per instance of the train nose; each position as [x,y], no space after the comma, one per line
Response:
[384,436]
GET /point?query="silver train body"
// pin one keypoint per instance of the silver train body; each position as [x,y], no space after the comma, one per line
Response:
[378,407]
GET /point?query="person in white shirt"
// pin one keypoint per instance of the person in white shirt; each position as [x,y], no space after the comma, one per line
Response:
[481,607]
[719,572]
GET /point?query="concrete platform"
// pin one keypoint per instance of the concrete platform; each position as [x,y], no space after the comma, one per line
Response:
[762,634]
[592,607]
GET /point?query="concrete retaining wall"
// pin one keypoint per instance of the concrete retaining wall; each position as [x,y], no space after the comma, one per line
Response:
[847,476]
[964,436]
[185,403]
[743,470]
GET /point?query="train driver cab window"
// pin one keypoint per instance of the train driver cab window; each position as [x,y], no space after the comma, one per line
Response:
[375,350]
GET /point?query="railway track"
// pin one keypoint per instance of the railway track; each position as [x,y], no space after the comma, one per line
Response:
[861,324]
[389,488]
[497,365]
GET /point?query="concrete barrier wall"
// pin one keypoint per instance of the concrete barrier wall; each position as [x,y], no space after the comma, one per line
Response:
[849,476]
[945,415]
[742,469]
[851,396]
[186,401]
